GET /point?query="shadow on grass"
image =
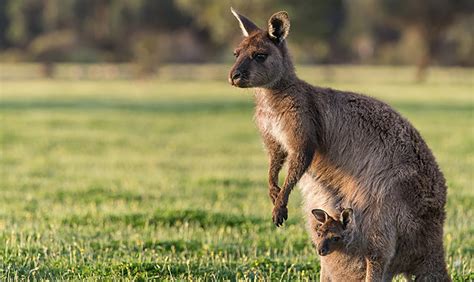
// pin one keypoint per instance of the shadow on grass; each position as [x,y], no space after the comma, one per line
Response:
[126,105]
[189,106]
[181,248]
[168,218]
[230,182]
[166,246]
[99,194]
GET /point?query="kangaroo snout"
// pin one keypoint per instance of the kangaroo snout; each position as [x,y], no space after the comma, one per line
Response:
[236,75]
[237,78]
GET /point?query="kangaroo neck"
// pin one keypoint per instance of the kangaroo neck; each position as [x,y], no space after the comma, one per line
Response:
[281,88]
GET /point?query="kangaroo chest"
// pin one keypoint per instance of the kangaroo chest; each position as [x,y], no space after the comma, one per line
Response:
[273,126]
[271,123]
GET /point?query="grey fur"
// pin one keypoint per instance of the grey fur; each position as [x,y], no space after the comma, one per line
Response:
[348,150]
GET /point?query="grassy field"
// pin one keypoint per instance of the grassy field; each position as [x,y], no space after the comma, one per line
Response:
[167,178]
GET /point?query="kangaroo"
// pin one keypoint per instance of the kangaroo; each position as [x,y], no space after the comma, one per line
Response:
[339,261]
[330,232]
[345,149]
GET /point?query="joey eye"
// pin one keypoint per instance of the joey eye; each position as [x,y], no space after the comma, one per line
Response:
[336,239]
[319,234]
[259,57]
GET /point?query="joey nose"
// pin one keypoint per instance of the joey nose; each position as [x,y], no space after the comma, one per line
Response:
[323,251]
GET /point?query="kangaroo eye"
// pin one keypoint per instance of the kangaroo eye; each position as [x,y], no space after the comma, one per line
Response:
[336,239]
[260,57]
[319,234]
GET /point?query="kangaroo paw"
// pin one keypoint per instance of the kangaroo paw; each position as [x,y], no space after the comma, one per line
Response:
[280,214]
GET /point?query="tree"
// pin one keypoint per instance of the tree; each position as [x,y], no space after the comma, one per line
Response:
[316,23]
[430,18]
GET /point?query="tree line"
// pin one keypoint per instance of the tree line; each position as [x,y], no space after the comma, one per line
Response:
[153,32]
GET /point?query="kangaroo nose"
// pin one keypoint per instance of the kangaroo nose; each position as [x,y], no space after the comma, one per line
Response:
[236,75]
[323,251]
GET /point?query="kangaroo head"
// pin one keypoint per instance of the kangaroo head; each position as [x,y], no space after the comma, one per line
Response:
[329,233]
[262,57]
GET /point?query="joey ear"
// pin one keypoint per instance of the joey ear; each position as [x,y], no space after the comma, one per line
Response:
[279,26]
[320,215]
[246,25]
[346,216]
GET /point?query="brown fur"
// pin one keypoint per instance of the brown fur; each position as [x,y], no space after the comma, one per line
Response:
[338,261]
[346,149]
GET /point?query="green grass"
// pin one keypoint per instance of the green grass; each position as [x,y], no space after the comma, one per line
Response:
[167,179]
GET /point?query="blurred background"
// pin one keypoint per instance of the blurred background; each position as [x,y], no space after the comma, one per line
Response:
[125,153]
[151,33]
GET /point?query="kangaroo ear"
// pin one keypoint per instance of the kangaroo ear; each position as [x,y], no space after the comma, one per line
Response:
[279,26]
[346,216]
[245,24]
[320,215]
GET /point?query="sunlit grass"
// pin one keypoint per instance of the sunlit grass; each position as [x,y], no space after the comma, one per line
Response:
[166,179]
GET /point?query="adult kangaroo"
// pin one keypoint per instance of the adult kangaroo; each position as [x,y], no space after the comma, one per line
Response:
[345,150]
